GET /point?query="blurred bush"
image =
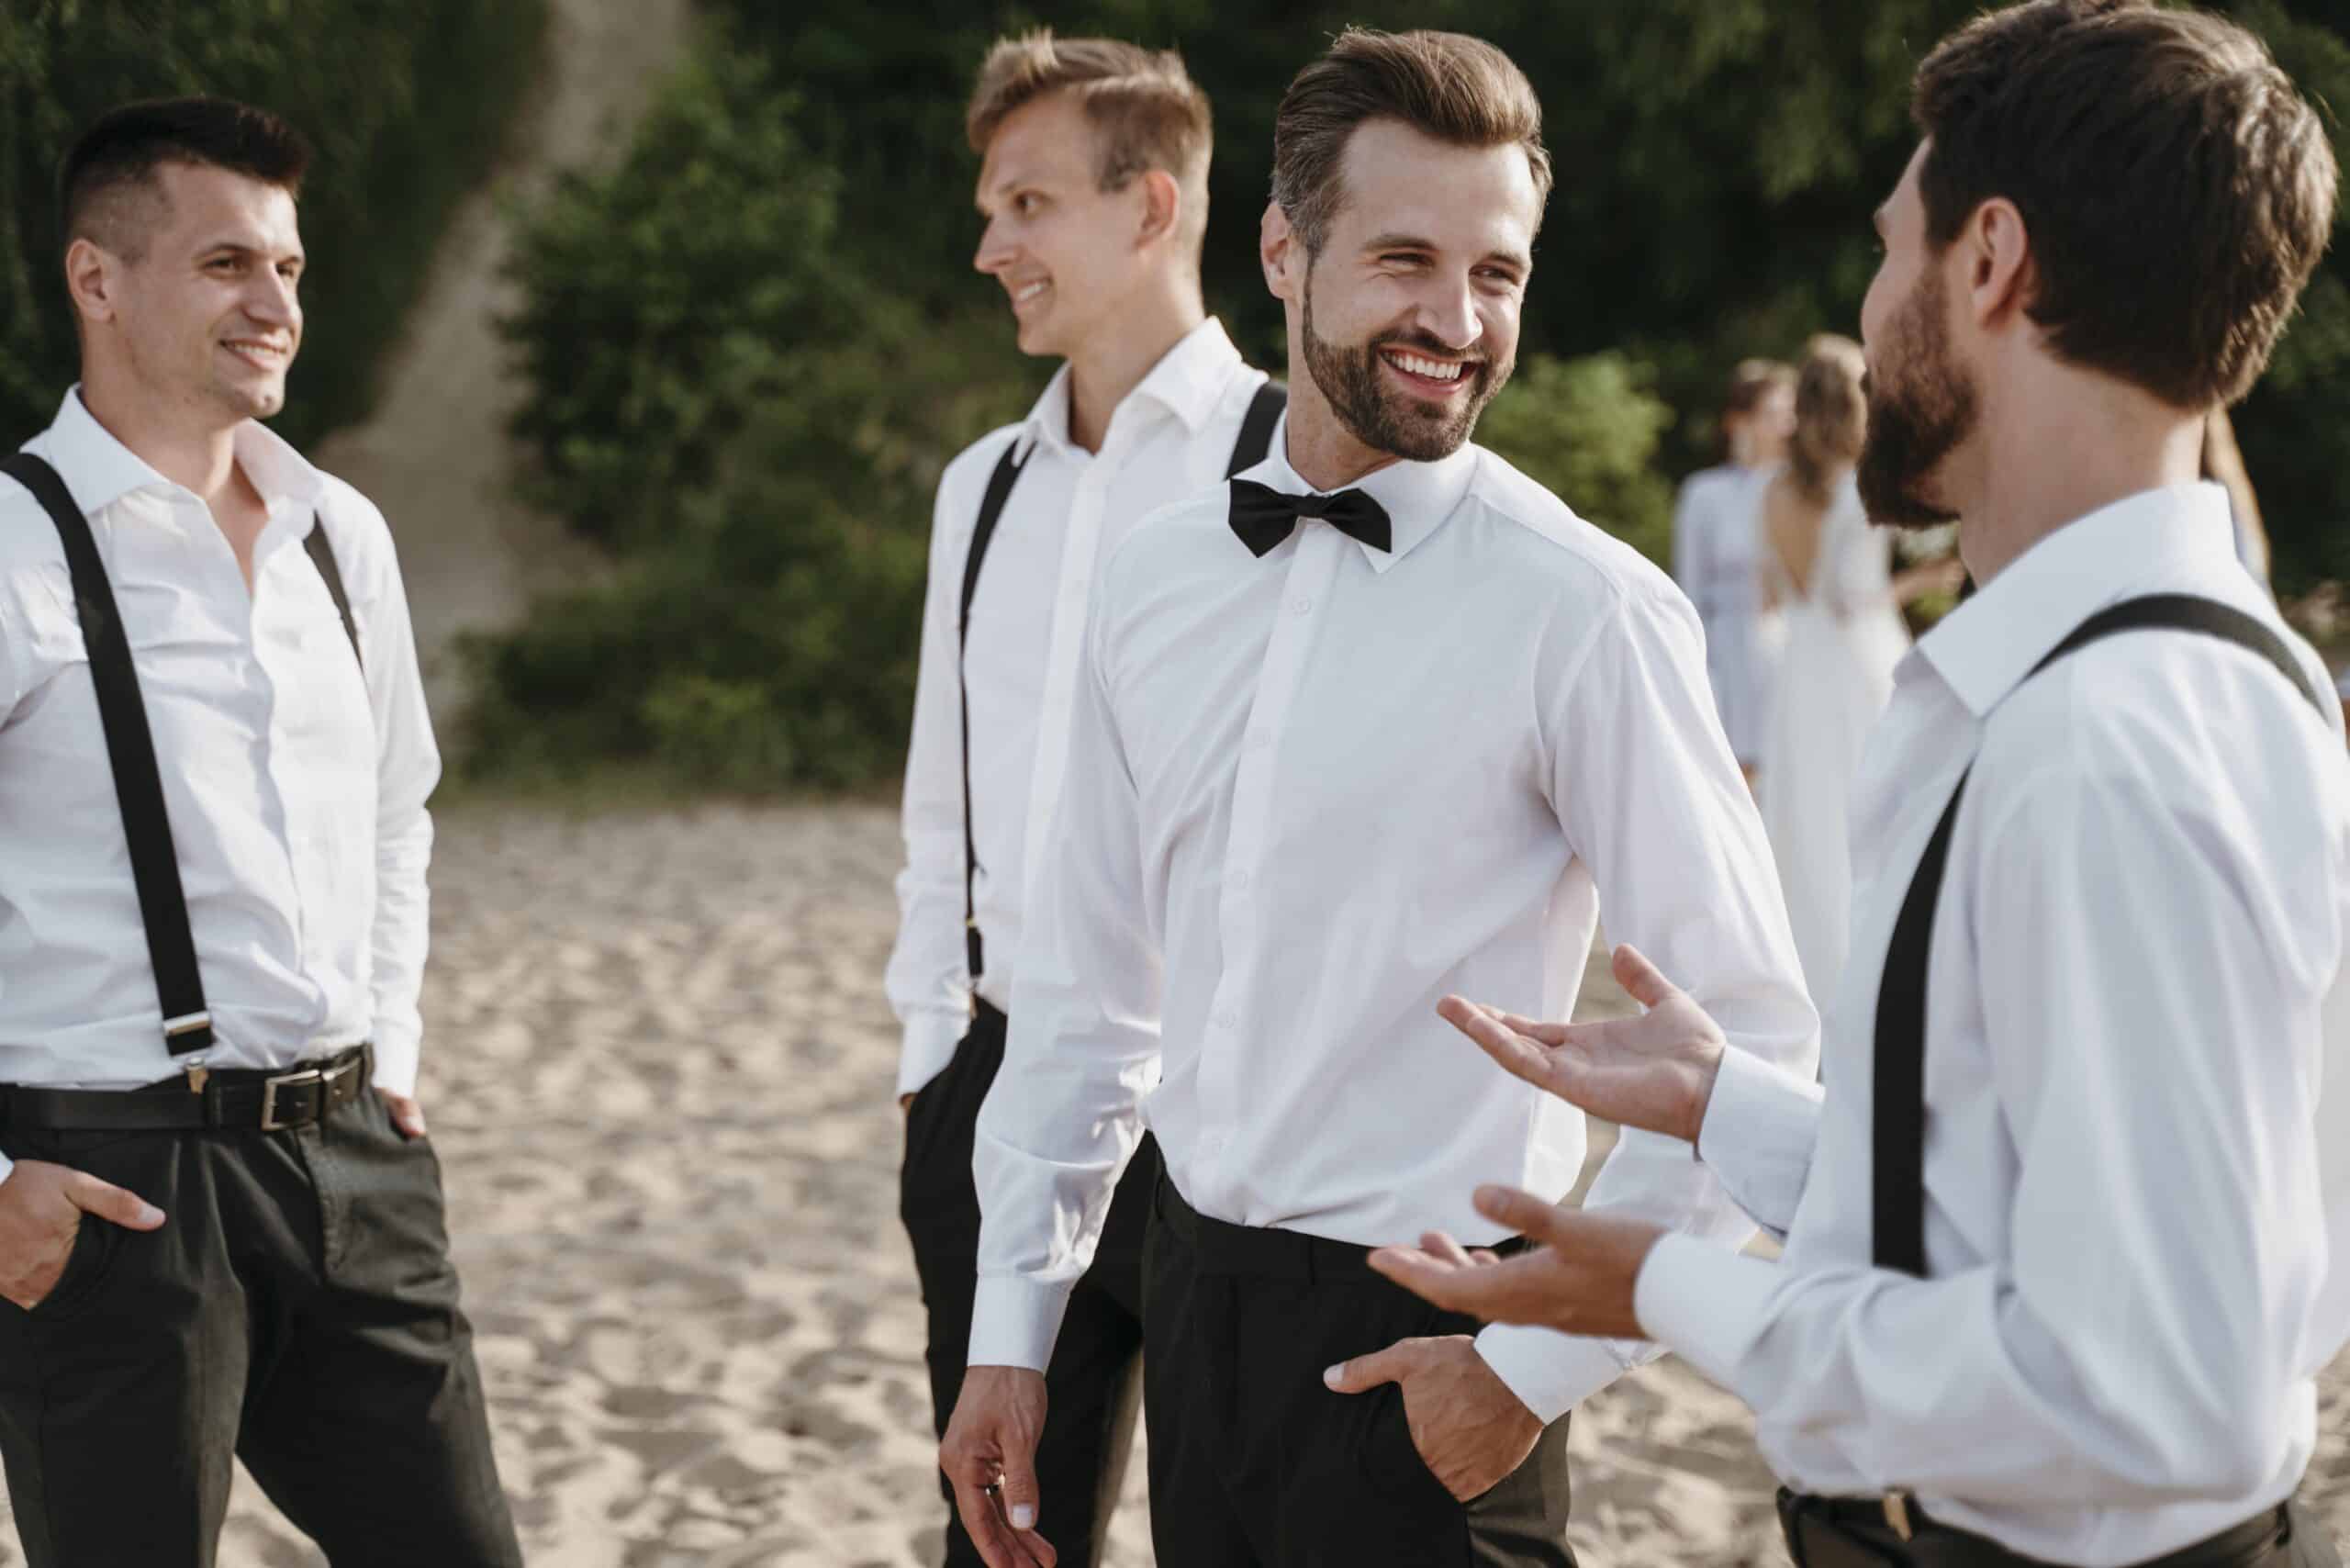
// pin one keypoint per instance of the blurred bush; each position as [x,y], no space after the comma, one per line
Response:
[404,101]
[1588,431]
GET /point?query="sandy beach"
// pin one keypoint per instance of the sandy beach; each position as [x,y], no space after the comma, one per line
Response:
[658,1070]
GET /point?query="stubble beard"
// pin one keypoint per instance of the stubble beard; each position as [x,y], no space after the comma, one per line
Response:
[1390,423]
[1919,410]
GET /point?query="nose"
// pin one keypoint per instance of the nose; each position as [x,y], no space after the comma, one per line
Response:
[1448,310]
[270,301]
[995,252]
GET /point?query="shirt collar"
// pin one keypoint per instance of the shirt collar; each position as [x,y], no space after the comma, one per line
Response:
[1419,497]
[1188,381]
[99,470]
[1986,648]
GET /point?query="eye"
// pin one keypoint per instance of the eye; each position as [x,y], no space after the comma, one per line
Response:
[1027,203]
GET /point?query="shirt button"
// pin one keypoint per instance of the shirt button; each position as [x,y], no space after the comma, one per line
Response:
[1240,879]
[1225,1019]
[1301,605]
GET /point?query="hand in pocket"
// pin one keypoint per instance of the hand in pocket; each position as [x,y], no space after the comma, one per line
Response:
[42,1209]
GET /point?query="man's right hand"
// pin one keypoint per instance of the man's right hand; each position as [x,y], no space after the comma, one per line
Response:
[989,1456]
[1654,1072]
[41,1207]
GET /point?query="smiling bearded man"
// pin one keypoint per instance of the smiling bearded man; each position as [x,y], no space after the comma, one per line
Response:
[1379,719]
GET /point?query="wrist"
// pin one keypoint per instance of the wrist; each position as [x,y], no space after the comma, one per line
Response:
[1706,1070]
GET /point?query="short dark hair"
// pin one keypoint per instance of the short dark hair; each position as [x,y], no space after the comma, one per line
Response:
[2179,192]
[117,157]
[1447,85]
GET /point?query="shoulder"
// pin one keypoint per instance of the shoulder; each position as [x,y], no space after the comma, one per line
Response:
[30,550]
[1193,531]
[965,478]
[360,537]
[1546,538]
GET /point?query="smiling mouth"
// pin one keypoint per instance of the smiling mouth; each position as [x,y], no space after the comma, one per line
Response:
[1438,378]
[1028,293]
[260,355]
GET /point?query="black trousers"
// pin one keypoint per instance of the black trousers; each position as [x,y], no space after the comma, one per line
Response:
[1254,1464]
[1093,1384]
[298,1309]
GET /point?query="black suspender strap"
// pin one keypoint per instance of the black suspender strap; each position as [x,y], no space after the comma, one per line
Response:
[321,553]
[138,783]
[1257,428]
[1897,1105]
[999,483]
[1248,449]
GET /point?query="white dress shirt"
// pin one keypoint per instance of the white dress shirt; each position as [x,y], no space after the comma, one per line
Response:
[295,791]
[1717,559]
[1170,436]
[1307,796]
[2141,918]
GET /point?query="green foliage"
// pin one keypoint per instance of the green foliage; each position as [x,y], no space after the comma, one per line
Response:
[1588,429]
[405,102]
[665,300]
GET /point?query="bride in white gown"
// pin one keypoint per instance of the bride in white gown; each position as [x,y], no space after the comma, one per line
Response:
[1831,604]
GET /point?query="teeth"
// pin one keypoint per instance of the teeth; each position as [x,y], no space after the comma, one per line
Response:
[1024,296]
[1428,367]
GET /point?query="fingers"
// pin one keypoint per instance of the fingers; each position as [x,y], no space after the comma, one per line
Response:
[999,1548]
[1439,1246]
[1516,1055]
[1641,979]
[1431,1279]
[407,1113]
[1526,1214]
[1366,1372]
[1019,1495]
[109,1201]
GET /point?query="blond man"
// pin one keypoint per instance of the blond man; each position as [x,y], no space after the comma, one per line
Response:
[1093,189]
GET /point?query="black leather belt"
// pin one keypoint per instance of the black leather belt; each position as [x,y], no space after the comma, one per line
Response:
[1219,1247]
[1890,1531]
[235,1098]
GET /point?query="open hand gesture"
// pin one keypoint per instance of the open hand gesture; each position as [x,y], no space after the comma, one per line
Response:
[1654,1072]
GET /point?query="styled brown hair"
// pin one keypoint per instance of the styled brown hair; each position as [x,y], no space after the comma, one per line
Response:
[2179,192]
[1146,110]
[118,155]
[1832,415]
[1450,87]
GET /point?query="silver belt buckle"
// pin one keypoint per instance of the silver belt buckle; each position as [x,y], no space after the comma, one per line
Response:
[269,1122]
[1896,1515]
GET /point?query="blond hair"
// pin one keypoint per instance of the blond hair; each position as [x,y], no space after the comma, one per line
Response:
[1832,415]
[1146,110]
[1450,87]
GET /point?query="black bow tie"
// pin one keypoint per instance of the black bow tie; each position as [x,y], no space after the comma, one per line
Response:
[1263,516]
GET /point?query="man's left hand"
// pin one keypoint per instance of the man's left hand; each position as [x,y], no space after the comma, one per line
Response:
[1470,1429]
[407,1114]
[1580,1278]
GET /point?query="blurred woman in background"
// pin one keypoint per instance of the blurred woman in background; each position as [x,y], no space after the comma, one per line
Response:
[1831,624]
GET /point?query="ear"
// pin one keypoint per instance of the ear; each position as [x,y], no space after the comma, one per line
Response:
[91,278]
[1282,254]
[1162,207]
[1998,252]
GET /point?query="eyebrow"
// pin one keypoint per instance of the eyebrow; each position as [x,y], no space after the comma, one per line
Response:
[239,247]
[1401,241]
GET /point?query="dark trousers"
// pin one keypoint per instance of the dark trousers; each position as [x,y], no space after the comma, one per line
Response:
[1092,1386]
[298,1309]
[1254,1464]
[1843,1534]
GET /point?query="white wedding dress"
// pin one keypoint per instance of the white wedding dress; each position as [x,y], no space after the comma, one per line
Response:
[1836,640]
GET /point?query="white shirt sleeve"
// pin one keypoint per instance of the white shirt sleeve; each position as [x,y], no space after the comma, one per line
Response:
[1653,801]
[407,767]
[1761,1128]
[928,980]
[1066,1113]
[2139,1347]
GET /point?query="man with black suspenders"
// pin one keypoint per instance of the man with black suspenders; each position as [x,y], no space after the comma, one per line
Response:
[220,1222]
[1095,192]
[2067,1239]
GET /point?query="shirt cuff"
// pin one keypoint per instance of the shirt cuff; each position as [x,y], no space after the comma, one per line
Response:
[1706,1302]
[1550,1372]
[1762,1124]
[1014,1321]
[396,1063]
[929,1046]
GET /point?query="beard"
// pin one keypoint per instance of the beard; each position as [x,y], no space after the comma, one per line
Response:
[1922,405]
[1385,419]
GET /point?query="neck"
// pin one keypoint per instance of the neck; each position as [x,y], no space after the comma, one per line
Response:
[2044,463]
[184,447]
[1103,370]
